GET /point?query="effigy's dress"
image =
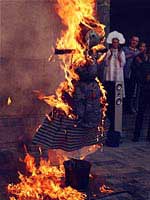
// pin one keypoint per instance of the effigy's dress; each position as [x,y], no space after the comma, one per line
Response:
[58,131]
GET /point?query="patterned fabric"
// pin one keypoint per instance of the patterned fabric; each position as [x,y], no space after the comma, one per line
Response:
[72,134]
[62,133]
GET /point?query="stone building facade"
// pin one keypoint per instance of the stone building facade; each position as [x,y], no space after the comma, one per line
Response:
[103,13]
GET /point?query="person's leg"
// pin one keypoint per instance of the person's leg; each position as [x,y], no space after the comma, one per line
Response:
[137,96]
[134,100]
[127,100]
[148,133]
[139,117]
[133,93]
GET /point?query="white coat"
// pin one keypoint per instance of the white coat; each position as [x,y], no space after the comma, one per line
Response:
[115,61]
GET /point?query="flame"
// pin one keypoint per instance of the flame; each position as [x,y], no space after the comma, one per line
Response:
[78,18]
[103,102]
[105,189]
[9,101]
[44,182]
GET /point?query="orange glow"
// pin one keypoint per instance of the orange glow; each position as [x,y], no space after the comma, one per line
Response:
[105,189]
[44,182]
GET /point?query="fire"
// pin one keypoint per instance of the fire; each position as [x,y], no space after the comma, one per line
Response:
[44,182]
[103,101]
[105,189]
[78,18]
[9,101]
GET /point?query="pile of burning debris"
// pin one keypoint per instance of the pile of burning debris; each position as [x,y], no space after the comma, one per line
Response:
[43,181]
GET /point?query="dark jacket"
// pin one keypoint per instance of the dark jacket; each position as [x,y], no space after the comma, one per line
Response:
[142,73]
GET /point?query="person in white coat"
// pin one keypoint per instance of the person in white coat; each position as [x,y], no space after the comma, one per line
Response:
[115,61]
[114,64]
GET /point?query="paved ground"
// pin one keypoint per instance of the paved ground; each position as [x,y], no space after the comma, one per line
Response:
[125,169]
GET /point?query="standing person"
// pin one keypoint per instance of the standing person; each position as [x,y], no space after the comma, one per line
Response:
[134,67]
[130,52]
[143,78]
[115,61]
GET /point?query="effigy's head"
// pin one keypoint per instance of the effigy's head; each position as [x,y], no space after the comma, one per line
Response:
[92,38]
[91,33]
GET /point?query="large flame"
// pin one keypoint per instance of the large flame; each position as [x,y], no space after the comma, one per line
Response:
[43,183]
[103,101]
[78,18]
[75,15]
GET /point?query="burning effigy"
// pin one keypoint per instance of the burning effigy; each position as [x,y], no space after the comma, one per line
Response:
[79,104]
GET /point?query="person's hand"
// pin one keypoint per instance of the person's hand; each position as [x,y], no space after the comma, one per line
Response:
[119,57]
[130,55]
[111,53]
[138,60]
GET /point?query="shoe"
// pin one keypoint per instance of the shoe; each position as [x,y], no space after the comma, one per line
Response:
[135,139]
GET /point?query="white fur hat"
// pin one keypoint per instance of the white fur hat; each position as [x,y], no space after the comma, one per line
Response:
[115,34]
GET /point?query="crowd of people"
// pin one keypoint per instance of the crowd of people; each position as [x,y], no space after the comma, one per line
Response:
[130,65]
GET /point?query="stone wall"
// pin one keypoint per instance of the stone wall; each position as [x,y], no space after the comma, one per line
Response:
[28,30]
[103,13]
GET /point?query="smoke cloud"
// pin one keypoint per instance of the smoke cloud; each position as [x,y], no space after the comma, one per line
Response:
[28,32]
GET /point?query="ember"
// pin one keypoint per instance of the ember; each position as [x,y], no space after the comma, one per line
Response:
[9,101]
[105,189]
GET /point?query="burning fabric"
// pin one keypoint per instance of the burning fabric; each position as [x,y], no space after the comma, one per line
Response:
[80,103]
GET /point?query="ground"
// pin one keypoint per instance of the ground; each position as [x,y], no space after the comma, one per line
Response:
[125,169]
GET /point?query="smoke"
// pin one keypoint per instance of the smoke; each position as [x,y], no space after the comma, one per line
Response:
[29,30]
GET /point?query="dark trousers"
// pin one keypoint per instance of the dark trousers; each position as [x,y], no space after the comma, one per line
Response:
[130,87]
[144,101]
